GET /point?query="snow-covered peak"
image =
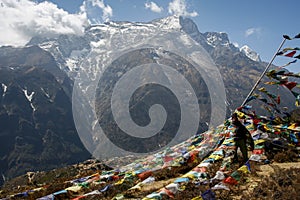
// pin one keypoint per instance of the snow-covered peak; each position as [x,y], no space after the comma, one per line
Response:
[250,53]
[217,38]
[70,51]
[169,23]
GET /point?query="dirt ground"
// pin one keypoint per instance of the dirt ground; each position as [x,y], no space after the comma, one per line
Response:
[270,181]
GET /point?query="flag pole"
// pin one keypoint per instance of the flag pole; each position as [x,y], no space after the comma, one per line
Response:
[264,72]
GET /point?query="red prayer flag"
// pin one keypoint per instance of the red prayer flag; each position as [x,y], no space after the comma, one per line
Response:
[144,175]
[258,151]
[168,192]
[230,180]
[290,85]
[291,54]
[167,158]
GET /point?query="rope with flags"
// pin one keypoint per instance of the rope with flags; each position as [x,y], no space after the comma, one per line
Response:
[279,77]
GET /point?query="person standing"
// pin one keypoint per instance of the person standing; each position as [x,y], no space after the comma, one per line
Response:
[241,137]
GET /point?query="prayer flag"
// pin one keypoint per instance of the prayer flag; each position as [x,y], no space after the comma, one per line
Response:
[291,54]
[287,37]
[297,36]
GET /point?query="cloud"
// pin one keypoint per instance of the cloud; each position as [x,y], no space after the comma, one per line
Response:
[179,7]
[91,7]
[23,19]
[252,31]
[153,7]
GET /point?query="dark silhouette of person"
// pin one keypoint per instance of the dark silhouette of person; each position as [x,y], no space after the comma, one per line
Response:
[241,137]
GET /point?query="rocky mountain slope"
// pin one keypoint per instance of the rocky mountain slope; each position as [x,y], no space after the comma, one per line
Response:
[37,130]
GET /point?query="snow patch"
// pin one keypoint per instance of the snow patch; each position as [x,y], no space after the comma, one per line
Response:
[213,40]
[98,43]
[28,96]
[45,93]
[48,45]
[4,87]
[32,106]
[186,40]
[72,64]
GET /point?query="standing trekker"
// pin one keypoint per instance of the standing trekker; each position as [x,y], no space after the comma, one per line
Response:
[241,136]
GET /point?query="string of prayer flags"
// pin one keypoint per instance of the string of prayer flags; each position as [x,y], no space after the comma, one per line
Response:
[281,72]
[293,50]
[290,48]
[292,74]
[289,38]
[271,73]
[272,83]
[268,109]
[274,98]
[275,75]
[264,90]
[263,100]
[290,54]
[294,61]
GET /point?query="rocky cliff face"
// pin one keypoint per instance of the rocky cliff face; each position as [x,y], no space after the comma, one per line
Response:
[37,130]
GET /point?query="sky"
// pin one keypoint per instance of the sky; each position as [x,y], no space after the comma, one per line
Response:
[259,24]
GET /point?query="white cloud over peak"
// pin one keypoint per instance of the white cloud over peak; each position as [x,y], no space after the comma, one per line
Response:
[23,19]
[252,31]
[179,7]
[91,7]
[153,7]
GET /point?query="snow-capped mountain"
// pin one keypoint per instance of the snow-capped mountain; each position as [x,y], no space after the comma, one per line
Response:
[70,50]
[250,53]
[85,58]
